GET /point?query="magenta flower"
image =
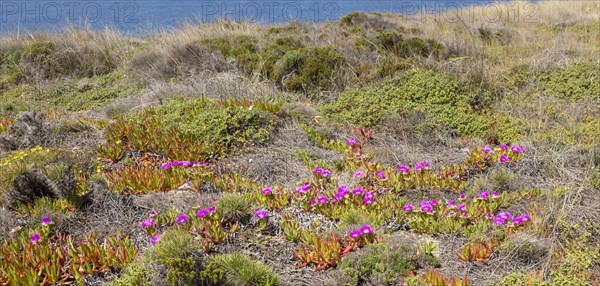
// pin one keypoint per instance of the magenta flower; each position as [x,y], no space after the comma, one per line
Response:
[147,223]
[326,173]
[462,197]
[433,203]
[166,166]
[35,238]
[267,191]
[304,188]
[503,147]
[489,216]
[202,213]
[498,221]
[155,239]
[381,175]
[260,214]
[504,215]
[451,214]
[407,208]
[350,142]
[465,215]
[451,204]
[343,190]
[45,221]
[354,234]
[366,230]
[182,219]
[370,195]
[318,171]
[503,159]
[420,166]
[521,219]
[212,210]
[427,208]
[152,213]
[174,164]
[322,200]
[338,197]
[482,196]
[358,192]
[185,164]
[518,149]
[495,195]
[358,175]
[462,208]
[486,149]
[403,169]
[368,201]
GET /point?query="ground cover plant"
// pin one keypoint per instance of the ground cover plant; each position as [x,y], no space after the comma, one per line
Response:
[377,150]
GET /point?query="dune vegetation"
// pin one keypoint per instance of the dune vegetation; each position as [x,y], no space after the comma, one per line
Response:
[376,150]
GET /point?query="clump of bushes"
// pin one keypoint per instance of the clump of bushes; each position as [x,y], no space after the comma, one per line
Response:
[442,98]
[577,81]
[406,48]
[238,270]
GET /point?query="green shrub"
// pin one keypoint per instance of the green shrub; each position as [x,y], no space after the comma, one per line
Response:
[519,279]
[234,207]
[306,69]
[406,48]
[238,270]
[577,81]
[439,96]
[232,46]
[175,250]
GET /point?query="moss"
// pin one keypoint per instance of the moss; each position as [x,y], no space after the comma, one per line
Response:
[577,81]
[441,97]
[238,270]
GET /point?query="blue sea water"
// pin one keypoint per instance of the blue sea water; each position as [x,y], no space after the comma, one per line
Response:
[137,16]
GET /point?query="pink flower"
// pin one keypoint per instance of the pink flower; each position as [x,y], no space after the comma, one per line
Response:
[322,200]
[152,213]
[350,142]
[358,175]
[420,166]
[147,223]
[495,195]
[260,214]
[358,192]
[407,208]
[518,149]
[166,166]
[462,208]
[326,173]
[498,221]
[462,197]
[381,175]
[155,239]
[486,149]
[368,201]
[267,191]
[45,221]
[451,204]
[504,215]
[182,219]
[403,169]
[370,195]
[503,147]
[35,238]
[354,234]
[503,159]
[366,230]
[489,216]
[202,213]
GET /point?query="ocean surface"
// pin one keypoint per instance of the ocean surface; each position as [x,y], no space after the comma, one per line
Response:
[137,16]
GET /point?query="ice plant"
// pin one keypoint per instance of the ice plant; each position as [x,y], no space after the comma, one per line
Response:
[45,221]
[366,230]
[482,196]
[358,192]
[368,201]
[166,166]
[498,221]
[267,191]
[403,169]
[35,238]
[503,147]
[381,175]
[147,223]
[326,173]
[486,149]
[495,195]
[426,207]
[322,200]
[182,219]
[350,142]
[358,175]
[518,149]
[155,239]
[260,214]
[152,213]
[462,197]
[462,208]
[503,159]
[202,213]
[420,166]
[451,204]
[354,234]
[407,208]
[504,215]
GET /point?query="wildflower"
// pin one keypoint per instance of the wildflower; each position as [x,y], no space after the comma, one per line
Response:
[358,192]
[451,214]
[495,195]
[338,197]
[433,203]
[462,208]
[354,234]
[155,239]
[427,208]
[35,238]
[326,173]
[358,175]
[202,213]
[182,219]
[318,171]
[322,200]
[381,175]
[166,166]
[503,147]
[267,191]
[498,221]
[407,208]
[504,215]
[185,164]
[174,164]
[350,142]
[465,215]
[420,166]
[403,169]
[368,201]
[370,195]
[343,190]
[503,159]
[304,188]
[212,210]
[489,216]
[518,149]
[366,230]
[260,214]
[438,176]
[482,196]
[152,213]
[45,221]
[451,204]
[147,223]
[462,197]
[521,219]
[486,149]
